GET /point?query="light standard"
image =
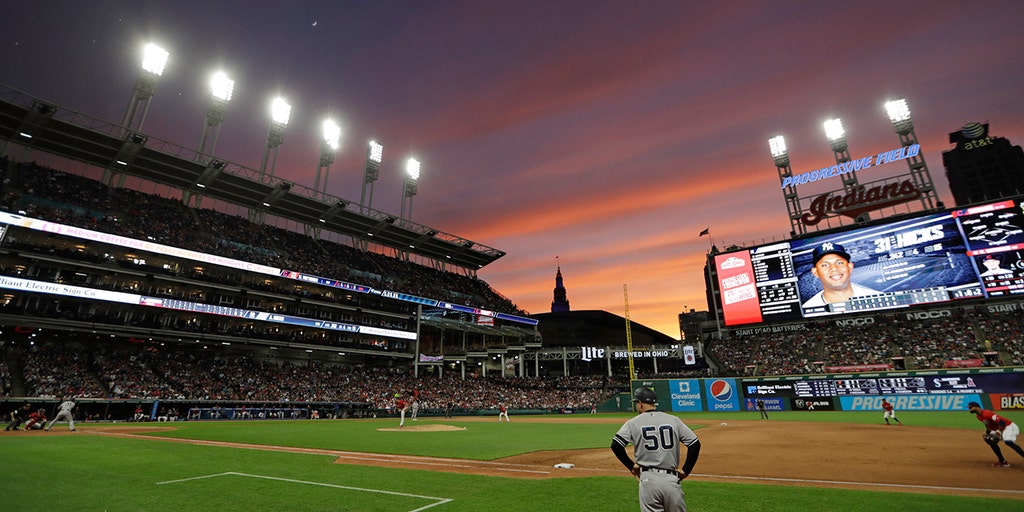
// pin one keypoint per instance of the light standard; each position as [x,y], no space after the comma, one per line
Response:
[899,115]
[409,186]
[780,155]
[329,144]
[836,136]
[154,59]
[221,88]
[374,155]
[280,111]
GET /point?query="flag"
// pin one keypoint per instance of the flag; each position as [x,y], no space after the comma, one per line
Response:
[707,231]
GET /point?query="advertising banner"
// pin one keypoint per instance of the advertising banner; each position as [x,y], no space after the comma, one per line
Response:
[686,395]
[953,402]
[722,395]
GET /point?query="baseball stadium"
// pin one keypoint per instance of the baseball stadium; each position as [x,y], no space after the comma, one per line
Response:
[183,332]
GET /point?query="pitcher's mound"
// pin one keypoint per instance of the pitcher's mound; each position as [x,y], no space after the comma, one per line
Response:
[422,428]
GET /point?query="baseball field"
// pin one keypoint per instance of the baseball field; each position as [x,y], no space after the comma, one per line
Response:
[826,461]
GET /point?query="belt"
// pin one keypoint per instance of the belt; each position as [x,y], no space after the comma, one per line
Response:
[659,470]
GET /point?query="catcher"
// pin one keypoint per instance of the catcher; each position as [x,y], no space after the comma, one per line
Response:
[997,428]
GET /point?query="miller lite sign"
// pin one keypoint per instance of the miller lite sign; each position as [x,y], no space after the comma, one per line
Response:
[688,355]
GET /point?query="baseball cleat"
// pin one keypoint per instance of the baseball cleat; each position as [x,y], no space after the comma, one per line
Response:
[1003,464]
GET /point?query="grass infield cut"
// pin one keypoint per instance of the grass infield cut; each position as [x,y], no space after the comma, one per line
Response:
[86,470]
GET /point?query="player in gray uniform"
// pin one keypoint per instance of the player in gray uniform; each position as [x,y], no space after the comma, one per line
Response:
[64,414]
[656,437]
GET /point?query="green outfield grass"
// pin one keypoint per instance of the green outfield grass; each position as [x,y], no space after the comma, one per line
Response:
[94,472]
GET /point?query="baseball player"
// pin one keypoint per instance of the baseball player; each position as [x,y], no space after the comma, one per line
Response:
[996,428]
[503,413]
[889,413]
[36,420]
[656,437]
[415,408]
[401,406]
[64,414]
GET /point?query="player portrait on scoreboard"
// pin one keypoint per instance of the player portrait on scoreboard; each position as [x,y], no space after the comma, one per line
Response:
[834,270]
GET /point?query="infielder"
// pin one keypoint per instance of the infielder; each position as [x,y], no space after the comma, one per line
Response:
[996,428]
[656,437]
[889,413]
[64,414]
[503,413]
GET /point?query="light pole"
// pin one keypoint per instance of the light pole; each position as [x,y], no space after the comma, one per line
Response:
[329,144]
[899,115]
[780,155]
[836,136]
[374,155]
[409,186]
[221,88]
[280,111]
[154,59]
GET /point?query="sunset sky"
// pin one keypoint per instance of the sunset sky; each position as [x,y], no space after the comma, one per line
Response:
[606,134]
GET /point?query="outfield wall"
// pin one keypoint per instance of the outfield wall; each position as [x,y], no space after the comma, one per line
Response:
[931,390]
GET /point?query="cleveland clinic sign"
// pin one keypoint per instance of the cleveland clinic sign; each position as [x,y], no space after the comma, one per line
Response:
[885,157]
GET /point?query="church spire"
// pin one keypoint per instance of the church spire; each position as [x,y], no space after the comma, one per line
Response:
[561,303]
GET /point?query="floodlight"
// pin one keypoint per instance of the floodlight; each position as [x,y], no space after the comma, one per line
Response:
[222,86]
[834,129]
[154,59]
[412,168]
[777,146]
[332,133]
[375,153]
[897,110]
[280,111]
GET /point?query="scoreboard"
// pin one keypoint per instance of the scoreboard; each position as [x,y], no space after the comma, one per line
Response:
[929,258]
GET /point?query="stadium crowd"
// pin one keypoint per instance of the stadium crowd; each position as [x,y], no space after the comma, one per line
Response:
[970,337]
[150,371]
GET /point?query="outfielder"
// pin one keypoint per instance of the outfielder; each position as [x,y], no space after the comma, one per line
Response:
[656,437]
[64,414]
[996,428]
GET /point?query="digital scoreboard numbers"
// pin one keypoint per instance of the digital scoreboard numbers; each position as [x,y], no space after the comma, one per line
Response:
[857,387]
[775,279]
[902,385]
[815,388]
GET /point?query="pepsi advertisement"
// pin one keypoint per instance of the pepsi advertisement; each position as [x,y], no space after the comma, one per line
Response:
[722,395]
[975,252]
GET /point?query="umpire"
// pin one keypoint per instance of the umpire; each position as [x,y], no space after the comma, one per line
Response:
[656,437]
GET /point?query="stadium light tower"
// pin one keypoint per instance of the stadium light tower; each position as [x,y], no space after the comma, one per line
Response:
[836,136]
[374,155]
[280,111]
[777,145]
[899,115]
[409,186]
[154,59]
[221,88]
[328,146]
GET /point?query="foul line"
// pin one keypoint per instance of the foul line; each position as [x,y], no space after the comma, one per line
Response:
[440,501]
[856,484]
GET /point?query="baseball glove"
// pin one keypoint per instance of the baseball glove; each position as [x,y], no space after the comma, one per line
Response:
[991,436]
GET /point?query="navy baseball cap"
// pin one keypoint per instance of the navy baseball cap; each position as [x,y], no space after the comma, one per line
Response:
[973,404]
[829,248]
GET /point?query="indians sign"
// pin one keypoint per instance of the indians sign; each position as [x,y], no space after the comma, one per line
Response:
[862,200]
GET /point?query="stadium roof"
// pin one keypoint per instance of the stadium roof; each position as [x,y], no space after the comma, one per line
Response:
[33,123]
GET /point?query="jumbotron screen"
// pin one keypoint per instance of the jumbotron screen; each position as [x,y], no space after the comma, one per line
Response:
[970,253]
